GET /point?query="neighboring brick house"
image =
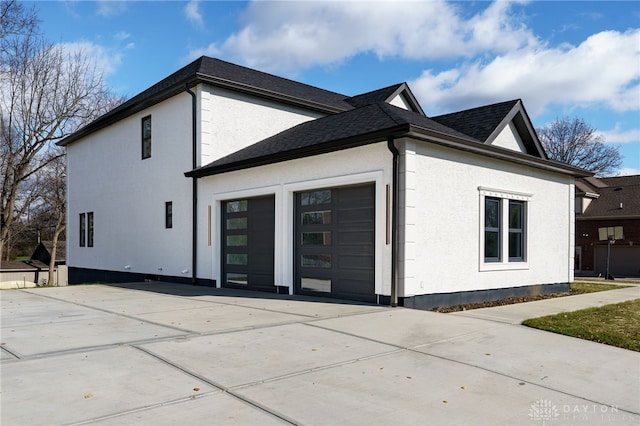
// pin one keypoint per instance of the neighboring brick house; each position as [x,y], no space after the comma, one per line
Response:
[605,207]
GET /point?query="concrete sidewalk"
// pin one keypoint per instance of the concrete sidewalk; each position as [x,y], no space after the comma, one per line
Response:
[158,353]
[515,314]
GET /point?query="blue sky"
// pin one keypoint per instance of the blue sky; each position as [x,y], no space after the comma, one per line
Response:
[573,58]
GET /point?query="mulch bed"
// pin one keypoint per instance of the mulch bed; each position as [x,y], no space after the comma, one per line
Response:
[501,302]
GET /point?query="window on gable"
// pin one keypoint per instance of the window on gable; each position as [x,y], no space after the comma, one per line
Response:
[146,137]
[503,229]
[168,214]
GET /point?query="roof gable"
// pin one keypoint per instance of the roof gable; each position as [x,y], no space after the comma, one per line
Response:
[398,95]
[505,124]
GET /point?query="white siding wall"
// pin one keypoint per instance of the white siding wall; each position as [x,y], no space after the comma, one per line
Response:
[127,194]
[231,121]
[371,163]
[107,176]
[441,212]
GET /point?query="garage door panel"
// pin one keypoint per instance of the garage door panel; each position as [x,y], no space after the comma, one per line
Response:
[355,289]
[356,262]
[248,243]
[356,216]
[335,242]
[349,237]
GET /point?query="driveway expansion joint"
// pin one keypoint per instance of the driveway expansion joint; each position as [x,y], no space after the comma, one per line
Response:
[227,390]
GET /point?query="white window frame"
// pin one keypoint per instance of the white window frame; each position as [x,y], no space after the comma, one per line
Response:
[503,263]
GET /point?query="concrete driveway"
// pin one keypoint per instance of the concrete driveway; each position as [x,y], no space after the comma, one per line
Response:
[158,353]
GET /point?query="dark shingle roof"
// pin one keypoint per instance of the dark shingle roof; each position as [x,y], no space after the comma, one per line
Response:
[386,94]
[240,77]
[622,189]
[380,95]
[222,74]
[339,131]
[480,122]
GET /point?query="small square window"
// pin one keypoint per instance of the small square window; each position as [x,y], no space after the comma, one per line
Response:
[146,137]
[168,214]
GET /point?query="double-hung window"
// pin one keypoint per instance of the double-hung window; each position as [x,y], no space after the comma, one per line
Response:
[503,229]
[492,221]
[516,230]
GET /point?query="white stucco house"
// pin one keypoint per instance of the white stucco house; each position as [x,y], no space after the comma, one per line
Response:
[225,176]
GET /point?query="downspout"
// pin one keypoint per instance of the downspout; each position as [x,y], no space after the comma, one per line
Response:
[394,222]
[194,196]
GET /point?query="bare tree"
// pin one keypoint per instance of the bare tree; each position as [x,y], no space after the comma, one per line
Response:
[52,201]
[15,21]
[46,93]
[574,142]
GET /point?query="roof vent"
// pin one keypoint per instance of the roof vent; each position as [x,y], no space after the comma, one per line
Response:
[620,206]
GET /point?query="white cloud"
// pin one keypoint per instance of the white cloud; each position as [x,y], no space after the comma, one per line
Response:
[193,13]
[495,55]
[618,136]
[628,171]
[212,50]
[108,8]
[290,36]
[105,60]
[603,71]
[121,35]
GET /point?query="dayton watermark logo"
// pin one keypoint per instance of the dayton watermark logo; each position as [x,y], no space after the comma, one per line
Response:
[543,411]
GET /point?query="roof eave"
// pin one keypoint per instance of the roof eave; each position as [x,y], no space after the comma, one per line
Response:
[324,148]
[601,217]
[496,152]
[268,94]
[124,110]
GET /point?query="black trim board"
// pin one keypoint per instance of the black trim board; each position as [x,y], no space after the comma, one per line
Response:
[86,275]
[435,300]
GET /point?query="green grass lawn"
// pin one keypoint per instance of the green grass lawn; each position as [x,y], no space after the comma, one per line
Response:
[579,287]
[616,324]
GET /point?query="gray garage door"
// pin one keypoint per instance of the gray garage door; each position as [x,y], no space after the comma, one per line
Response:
[624,260]
[335,242]
[248,243]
